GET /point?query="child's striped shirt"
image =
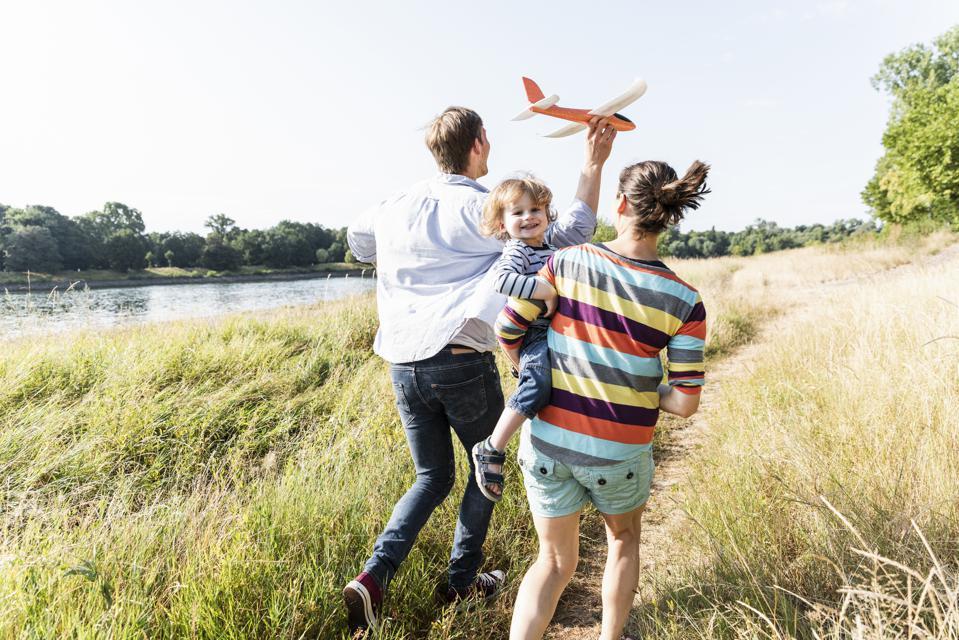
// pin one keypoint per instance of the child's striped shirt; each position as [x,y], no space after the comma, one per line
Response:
[517,267]
[615,316]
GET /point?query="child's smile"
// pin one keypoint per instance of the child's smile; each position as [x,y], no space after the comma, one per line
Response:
[525,220]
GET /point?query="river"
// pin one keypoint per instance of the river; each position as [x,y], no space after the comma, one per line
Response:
[62,312]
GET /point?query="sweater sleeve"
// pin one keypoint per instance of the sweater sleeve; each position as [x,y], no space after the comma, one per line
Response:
[513,322]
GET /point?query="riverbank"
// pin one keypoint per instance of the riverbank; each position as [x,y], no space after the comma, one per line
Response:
[160,276]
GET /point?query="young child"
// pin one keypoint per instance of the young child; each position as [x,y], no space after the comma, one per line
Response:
[518,210]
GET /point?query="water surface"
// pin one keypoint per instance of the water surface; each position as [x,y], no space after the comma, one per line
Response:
[59,312]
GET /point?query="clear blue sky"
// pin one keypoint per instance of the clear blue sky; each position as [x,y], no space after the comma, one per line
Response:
[312,111]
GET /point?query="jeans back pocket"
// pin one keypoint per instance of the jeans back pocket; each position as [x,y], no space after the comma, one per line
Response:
[463,402]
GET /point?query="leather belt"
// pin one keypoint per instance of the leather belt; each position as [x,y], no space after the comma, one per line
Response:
[458,348]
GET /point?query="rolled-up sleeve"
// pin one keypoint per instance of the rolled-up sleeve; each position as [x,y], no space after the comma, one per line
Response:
[575,225]
[361,238]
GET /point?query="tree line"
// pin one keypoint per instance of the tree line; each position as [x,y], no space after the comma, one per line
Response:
[760,237]
[917,179]
[40,238]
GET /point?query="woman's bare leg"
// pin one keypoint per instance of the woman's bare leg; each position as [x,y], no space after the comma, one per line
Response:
[621,577]
[547,578]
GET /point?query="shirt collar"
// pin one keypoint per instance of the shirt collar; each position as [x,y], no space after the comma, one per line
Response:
[455,178]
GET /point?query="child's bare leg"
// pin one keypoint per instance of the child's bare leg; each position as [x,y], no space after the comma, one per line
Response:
[509,422]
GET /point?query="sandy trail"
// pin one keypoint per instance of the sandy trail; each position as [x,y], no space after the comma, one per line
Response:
[578,614]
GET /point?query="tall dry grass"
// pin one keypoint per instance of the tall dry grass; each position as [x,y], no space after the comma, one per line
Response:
[826,500]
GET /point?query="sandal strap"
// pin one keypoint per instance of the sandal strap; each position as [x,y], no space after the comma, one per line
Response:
[491,458]
[493,478]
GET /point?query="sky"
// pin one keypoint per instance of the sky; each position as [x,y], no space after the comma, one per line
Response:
[315,110]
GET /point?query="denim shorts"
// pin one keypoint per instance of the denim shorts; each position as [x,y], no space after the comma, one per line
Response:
[556,489]
[535,383]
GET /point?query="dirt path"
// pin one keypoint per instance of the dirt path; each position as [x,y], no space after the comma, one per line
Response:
[578,614]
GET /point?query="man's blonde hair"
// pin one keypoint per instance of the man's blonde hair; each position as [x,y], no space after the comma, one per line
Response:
[450,138]
[506,193]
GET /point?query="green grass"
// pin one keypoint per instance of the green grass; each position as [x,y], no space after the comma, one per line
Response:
[215,480]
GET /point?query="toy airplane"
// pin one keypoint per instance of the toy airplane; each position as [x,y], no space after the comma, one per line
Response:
[547,106]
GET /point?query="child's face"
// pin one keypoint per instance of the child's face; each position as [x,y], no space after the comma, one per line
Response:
[525,220]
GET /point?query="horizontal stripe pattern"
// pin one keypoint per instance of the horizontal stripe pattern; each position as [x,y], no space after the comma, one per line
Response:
[516,269]
[514,320]
[615,318]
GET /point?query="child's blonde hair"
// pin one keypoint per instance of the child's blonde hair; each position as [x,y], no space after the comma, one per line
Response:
[508,192]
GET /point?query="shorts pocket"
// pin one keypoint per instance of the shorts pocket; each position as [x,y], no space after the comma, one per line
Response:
[621,487]
[463,402]
[538,466]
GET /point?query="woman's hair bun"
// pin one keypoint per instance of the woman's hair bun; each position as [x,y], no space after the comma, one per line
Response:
[658,198]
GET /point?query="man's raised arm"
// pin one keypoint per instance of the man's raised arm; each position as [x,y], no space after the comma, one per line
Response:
[577,224]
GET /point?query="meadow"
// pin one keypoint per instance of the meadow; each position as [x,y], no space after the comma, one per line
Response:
[825,502]
[224,478]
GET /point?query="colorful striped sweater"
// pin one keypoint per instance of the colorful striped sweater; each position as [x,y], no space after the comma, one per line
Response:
[615,316]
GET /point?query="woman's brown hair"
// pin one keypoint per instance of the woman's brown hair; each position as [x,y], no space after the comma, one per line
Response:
[657,197]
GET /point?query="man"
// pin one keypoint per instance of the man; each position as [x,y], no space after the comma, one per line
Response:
[436,309]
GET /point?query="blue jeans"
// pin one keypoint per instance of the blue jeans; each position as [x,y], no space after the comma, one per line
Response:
[535,384]
[436,397]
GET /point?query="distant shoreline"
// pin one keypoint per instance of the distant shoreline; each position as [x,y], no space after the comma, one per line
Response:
[62,284]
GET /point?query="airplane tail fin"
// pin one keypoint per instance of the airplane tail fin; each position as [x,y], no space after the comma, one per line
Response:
[533,92]
[536,99]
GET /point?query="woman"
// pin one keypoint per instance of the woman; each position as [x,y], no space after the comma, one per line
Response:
[619,307]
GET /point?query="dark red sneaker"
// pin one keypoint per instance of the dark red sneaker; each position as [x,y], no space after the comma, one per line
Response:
[484,587]
[363,598]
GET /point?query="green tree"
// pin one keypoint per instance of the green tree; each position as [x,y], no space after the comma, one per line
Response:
[220,255]
[322,256]
[289,245]
[31,249]
[126,250]
[169,256]
[101,226]
[337,251]
[918,177]
[252,246]
[117,216]
[604,231]
[222,225]
[187,248]
[73,244]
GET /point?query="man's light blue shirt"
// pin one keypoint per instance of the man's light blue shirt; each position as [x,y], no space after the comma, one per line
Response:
[433,264]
